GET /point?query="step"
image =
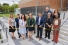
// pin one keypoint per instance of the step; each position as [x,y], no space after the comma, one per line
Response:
[5,20]
[64,33]
[63,29]
[5,17]
[4,43]
[61,36]
[61,40]
[65,26]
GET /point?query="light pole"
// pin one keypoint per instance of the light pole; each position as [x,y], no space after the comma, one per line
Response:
[61,4]
[36,12]
[37,3]
[14,6]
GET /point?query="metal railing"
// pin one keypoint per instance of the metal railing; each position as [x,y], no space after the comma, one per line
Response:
[5,17]
[63,15]
[4,28]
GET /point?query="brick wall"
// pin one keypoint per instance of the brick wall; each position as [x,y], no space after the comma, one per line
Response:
[52,3]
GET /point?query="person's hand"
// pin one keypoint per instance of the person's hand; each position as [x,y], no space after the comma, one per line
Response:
[12,27]
[55,29]
[21,26]
[46,23]
[44,28]
[40,26]
[32,25]
[49,26]
[25,25]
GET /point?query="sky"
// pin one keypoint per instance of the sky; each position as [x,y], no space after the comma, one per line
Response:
[10,2]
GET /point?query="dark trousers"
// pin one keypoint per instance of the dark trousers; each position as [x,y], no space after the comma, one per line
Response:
[39,32]
[27,31]
[47,33]
[34,30]
[18,32]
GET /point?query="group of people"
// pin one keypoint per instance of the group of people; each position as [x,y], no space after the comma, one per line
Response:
[47,20]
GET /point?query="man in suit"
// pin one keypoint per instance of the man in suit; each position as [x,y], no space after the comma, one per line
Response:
[40,24]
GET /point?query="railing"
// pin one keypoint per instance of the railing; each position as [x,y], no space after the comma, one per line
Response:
[5,17]
[64,15]
[4,28]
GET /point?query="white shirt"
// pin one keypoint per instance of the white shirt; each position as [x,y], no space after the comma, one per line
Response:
[56,22]
[39,21]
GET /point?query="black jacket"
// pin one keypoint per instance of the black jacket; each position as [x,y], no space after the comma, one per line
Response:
[49,21]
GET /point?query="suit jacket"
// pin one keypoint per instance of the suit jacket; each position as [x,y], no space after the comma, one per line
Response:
[41,21]
[17,22]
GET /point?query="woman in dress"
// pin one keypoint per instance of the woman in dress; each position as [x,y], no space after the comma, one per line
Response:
[30,23]
[56,27]
[12,25]
[22,26]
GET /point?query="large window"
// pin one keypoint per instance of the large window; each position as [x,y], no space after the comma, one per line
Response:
[33,9]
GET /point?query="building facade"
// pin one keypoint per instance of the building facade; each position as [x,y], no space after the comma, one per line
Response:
[31,4]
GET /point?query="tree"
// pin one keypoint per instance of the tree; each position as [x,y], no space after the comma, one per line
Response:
[1,8]
[5,4]
[5,7]
[13,7]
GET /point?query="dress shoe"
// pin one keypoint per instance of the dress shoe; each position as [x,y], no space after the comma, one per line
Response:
[37,37]
[45,37]
[20,36]
[55,42]
[48,38]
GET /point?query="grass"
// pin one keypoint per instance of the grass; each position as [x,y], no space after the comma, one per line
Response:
[7,15]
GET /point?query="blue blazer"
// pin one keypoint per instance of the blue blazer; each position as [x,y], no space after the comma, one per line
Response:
[17,22]
[41,21]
